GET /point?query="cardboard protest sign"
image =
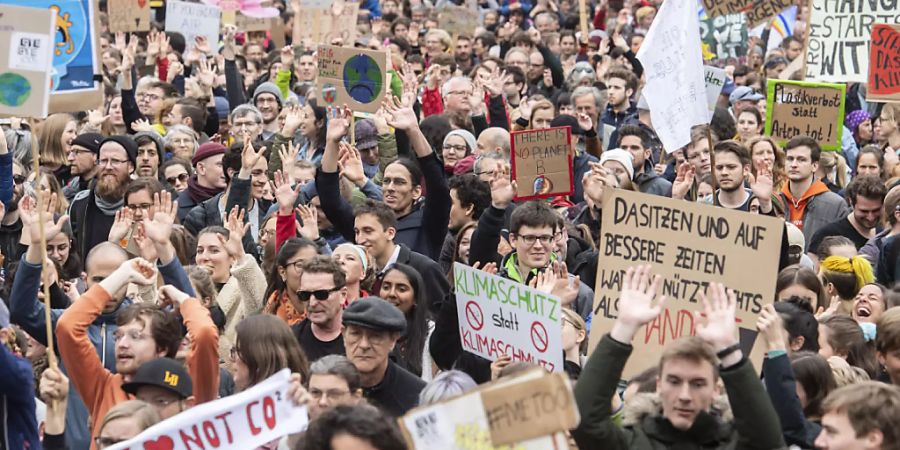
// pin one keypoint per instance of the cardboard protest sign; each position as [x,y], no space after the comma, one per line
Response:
[725,39]
[457,20]
[839,37]
[75,56]
[319,25]
[797,108]
[501,316]
[28,34]
[542,162]
[352,76]
[757,11]
[689,245]
[128,15]
[884,64]
[247,23]
[248,419]
[715,81]
[530,412]
[192,20]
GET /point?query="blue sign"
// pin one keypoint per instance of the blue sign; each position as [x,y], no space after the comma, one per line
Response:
[73,57]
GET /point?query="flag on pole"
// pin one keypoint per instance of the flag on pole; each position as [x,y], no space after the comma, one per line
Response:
[781,26]
[672,59]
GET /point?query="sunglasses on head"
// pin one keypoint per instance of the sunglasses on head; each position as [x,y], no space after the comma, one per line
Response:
[181,177]
[319,294]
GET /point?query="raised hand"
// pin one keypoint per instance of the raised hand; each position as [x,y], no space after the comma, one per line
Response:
[543,281]
[146,247]
[293,118]
[141,125]
[351,164]
[584,121]
[31,217]
[498,365]
[563,287]
[285,195]
[171,295]
[163,212]
[338,123]
[684,179]
[309,218]
[399,116]
[380,119]
[489,268]
[201,44]
[287,57]
[175,69]
[762,184]
[95,119]
[769,325]
[228,42]
[503,189]
[206,77]
[636,303]
[525,108]
[249,158]
[121,225]
[236,229]
[476,100]
[716,324]
[494,84]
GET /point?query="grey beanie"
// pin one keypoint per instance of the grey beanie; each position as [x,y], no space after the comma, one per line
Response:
[268,88]
[156,138]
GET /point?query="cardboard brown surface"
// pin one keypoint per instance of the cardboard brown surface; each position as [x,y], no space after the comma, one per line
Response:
[128,15]
[352,76]
[324,26]
[884,64]
[530,409]
[27,37]
[688,245]
[797,108]
[542,162]
[457,20]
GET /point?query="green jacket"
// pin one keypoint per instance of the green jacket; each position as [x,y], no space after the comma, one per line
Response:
[755,425]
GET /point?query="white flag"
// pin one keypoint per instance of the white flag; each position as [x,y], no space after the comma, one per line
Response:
[672,59]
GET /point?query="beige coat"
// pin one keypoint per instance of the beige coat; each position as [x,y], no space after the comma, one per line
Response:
[240,297]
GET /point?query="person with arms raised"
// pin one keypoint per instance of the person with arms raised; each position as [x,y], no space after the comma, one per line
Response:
[688,381]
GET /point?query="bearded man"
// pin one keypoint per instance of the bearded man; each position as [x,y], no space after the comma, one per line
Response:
[93,211]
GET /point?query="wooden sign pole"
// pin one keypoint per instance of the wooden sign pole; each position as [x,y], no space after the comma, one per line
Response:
[583,18]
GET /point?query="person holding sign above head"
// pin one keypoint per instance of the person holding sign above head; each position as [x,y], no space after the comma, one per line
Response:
[690,369]
[810,204]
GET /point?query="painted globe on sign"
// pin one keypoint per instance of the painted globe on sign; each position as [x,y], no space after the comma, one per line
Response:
[14,89]
[362,78]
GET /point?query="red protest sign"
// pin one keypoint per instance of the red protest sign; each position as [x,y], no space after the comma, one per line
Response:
[884,64]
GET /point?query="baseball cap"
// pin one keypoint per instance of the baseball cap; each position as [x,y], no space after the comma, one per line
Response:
[165,373]
[744,93]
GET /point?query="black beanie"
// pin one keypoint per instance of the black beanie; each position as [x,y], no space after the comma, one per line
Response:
[131,147]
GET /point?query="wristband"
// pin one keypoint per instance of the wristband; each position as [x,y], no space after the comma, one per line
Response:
[772,354]
[727,351]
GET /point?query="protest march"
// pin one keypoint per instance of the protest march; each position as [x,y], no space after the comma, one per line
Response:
[449,224]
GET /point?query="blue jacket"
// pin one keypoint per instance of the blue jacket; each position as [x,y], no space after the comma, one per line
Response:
[374,7]
[26,311]
[19,429]
[6,179]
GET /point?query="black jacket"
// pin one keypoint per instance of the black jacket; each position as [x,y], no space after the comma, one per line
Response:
[90,225]
[437,287]
[397,393]
[207,214]
[782,389]
[423,230]
[755,423]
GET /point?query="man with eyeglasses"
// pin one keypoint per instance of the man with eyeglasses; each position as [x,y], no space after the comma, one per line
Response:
[323,288]
[333,381]
[163,383]
[533,234]
[93,211]
[372,327]
[82,158]
[146,331]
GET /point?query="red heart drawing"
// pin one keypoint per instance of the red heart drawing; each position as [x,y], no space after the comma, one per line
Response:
[163,443]
[142,3]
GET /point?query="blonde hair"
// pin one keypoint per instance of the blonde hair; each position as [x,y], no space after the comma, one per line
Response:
[539,106]
[49,135]
[831,160]
[839,270]
[144,413]
[442,35]
[578,323]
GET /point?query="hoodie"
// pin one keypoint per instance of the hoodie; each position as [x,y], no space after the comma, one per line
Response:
[817,207]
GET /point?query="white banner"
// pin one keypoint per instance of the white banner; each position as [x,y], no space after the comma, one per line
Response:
[715,81]
[246,420]
[672,59]
[839,38]
[193,19]
[501,316]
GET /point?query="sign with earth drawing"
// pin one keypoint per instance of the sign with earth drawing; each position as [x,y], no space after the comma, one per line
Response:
[26,34]
[351,76]
[75,57]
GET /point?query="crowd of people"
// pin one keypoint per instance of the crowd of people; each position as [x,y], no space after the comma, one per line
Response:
[216,222]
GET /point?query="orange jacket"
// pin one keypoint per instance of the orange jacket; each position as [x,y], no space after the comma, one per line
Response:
[100,388]
[796,207]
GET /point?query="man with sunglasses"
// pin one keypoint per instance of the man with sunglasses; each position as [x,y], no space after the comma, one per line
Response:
[323,288]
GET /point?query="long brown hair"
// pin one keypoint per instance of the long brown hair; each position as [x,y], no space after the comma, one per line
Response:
[49,139]
[778,170]
[266,345]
